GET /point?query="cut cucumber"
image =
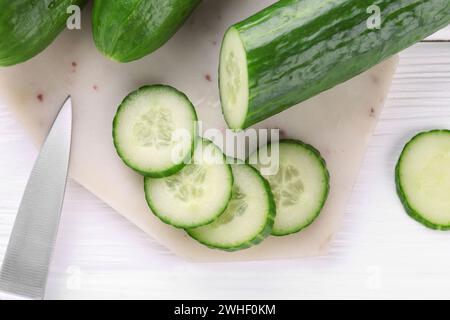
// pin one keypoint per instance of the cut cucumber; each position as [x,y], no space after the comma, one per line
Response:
[300,185]
[195,196]
[295,49]
[249,217]
[154,130]
[423,178]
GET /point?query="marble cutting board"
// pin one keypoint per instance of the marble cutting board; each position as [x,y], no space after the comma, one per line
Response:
[338,122]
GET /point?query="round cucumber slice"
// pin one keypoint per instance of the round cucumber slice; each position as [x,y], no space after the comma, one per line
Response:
[300,185]
[423,178]
[154,130]
[233,80]
[195,196]
[249,217]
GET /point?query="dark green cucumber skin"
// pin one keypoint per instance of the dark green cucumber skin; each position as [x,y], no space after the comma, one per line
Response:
[127,30]
[323,164]
[147,173]
[27,27]
[155,211]
[262,235]
[299,48]
[413,213]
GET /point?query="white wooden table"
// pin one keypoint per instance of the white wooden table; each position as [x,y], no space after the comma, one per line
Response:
[379,252]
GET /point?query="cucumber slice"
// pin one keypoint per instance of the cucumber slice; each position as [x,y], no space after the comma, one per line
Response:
[154,130]
[300,185]
[195,196]
[249,217]
[423,178]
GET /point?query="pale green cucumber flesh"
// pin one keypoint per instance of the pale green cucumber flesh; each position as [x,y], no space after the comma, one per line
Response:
[233,80]
[300,183]
[249,217]
[196,195]
[423,178]
[154,130]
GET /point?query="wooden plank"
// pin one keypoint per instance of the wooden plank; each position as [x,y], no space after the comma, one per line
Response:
[442,35]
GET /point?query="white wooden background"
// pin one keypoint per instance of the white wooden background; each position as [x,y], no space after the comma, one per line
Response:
[379,252]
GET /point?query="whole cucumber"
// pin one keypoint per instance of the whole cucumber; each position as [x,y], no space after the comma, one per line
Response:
[127,30]
[28,26]
[295,49]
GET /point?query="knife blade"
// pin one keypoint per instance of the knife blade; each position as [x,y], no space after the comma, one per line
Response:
[26,263]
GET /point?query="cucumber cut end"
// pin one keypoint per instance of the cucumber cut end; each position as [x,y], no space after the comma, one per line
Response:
[233,80]
[423,178]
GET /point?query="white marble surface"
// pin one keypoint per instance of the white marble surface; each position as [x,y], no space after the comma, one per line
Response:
[379,252]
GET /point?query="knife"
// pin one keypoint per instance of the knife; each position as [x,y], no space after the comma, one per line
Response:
[26,263]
